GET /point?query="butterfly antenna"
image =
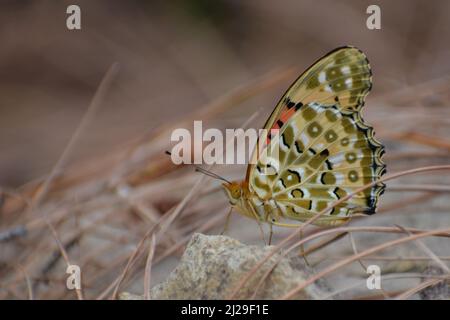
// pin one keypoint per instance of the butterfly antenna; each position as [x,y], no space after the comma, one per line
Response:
[205,172]
[211,174]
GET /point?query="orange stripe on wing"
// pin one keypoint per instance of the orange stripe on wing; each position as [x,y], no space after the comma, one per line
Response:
[285,115]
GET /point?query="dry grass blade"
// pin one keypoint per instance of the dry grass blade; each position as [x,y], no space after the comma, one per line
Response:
[324,243]
[28,281]
[87,118]
[364,283]
[420,138]
[418,288]
[427,251]
[118,281]
[419,187]
[65,256]
[148,268]
[43,189]
[355,250]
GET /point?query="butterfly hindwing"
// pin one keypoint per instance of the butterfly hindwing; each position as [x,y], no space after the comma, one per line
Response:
[325,149]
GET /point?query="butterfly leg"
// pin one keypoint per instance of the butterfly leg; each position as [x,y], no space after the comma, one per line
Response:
[270,218]
[302,249]
[270,234]
[227,221]
[256,217]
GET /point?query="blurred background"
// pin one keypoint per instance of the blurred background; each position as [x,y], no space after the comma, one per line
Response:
[226,62]
[175,56]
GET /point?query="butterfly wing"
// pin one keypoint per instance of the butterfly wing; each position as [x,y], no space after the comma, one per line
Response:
[325,149]
[343,75]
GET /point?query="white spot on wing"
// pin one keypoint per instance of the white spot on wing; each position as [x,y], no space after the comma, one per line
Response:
[319,146]
[301,171]
[272,162]
[337,159]
[339,176]
[280,184]
[306,194]
[283,146]
[304,139]
[322,77]
[345,69]
[349,82]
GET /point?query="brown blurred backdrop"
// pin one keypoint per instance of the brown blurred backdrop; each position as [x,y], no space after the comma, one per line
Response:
[176,56]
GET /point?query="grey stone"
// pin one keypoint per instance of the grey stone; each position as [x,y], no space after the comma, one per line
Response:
[212,266]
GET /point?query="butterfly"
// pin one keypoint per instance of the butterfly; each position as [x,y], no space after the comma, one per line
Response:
[325,149]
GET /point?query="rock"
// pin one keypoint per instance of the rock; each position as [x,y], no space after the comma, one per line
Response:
[211,267]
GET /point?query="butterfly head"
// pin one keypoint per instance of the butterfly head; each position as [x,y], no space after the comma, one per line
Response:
[233,191]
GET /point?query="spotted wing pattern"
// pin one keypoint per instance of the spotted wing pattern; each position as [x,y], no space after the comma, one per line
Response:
[342,76]
[326,150]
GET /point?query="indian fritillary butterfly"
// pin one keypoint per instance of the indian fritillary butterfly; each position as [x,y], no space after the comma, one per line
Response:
[326,150]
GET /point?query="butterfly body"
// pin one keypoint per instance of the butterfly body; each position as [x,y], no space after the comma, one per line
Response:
[325,149]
